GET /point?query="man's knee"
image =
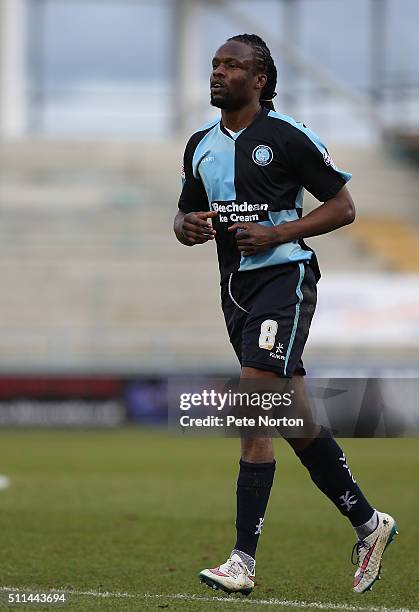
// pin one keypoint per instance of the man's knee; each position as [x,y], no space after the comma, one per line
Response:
[257,450]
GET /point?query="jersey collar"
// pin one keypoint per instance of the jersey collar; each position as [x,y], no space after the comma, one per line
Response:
[259,117]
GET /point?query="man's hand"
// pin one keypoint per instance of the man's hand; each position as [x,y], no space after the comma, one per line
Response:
[193,228]
[253,238]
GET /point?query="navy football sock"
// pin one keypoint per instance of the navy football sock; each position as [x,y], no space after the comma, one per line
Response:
[328,468]
[253,488]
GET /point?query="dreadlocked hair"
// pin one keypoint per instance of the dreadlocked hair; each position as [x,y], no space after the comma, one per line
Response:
[263,64]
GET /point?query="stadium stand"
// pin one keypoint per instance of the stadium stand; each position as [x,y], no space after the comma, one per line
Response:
[93,278]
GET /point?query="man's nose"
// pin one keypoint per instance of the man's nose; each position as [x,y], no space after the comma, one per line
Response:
[219,70]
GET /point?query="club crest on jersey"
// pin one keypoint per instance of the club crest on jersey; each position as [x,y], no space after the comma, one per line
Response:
[262,155]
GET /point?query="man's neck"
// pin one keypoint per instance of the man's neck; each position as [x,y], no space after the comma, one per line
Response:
[240,119]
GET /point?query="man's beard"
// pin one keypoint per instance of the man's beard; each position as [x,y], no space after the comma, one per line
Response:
[227,102]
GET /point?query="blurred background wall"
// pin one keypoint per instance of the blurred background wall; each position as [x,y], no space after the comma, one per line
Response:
[97,99]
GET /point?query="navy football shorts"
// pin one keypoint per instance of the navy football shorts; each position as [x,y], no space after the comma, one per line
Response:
[268,312]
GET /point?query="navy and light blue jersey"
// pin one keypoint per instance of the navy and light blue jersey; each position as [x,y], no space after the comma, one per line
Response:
[258,175]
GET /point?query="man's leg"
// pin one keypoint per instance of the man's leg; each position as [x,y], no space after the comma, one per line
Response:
[329,470]
[256,474]
[254,482]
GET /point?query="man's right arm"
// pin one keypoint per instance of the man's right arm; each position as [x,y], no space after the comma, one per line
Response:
[193,227]
[191,223]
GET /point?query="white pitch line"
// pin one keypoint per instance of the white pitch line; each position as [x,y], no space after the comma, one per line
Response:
[320,605]
[284,602]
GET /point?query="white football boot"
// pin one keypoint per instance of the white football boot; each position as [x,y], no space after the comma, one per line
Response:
[233,576]
[370,551]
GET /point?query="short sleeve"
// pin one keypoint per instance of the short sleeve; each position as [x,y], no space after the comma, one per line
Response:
[313,166]
[193,197]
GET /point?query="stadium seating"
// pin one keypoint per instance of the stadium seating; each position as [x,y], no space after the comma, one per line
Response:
[93,278]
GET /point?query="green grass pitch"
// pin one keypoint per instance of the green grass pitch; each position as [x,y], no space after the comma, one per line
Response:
[139,513]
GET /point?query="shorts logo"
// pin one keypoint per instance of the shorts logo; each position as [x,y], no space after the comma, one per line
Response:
[267,336]
[262,155]
[279,352]
[279,349]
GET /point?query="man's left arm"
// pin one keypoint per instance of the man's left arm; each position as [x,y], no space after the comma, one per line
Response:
[311,166]
[252,238]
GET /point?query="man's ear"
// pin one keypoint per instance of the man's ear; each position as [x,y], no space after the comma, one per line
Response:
[261,81]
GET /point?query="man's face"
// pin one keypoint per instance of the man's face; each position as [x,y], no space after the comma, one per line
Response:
[233,80]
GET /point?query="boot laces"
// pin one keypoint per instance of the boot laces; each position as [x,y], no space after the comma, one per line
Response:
[234,568]
[357,550]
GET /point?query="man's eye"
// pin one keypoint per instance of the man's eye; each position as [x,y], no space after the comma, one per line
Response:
[232,65]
